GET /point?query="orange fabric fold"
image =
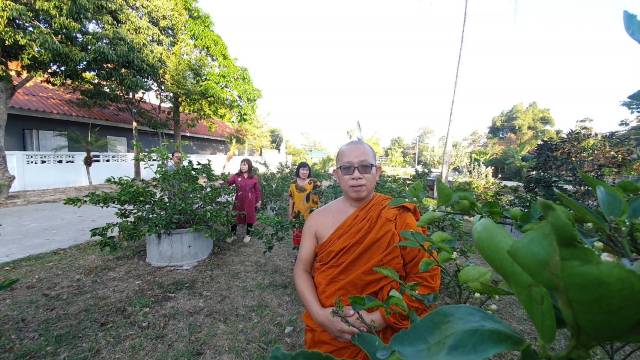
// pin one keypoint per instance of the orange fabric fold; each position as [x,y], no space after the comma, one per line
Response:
[344,265]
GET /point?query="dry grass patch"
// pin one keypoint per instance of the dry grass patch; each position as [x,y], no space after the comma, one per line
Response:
[81,303]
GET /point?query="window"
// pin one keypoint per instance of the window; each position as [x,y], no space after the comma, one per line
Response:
[116,144]
[31,140]
[45,140]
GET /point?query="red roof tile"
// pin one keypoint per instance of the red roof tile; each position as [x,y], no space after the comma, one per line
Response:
[41,97]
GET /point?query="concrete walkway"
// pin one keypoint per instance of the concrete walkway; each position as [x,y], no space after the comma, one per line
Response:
[34,229]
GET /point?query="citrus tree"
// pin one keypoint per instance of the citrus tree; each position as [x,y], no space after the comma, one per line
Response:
[588,283]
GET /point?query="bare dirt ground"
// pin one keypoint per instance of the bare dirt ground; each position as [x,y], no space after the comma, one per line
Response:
[82,303]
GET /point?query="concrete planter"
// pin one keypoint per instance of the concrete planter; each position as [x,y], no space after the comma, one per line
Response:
[181,247]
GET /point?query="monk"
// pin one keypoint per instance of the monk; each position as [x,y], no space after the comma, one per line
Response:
[341,244]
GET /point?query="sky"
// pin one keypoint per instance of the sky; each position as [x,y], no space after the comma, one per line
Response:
[390,64]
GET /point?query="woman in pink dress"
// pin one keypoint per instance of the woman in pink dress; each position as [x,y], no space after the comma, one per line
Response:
[248,197]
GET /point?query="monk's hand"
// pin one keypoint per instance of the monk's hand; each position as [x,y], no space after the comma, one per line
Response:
[369,321]
[339,326]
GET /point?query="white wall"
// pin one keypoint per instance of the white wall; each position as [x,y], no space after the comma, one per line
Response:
[47,170]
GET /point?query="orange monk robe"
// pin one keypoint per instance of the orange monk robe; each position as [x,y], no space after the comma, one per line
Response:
[344,265]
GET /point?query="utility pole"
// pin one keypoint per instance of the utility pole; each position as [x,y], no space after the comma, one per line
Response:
[417,143]
[446,154]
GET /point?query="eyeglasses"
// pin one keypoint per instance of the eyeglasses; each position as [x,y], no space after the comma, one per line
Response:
[362,169]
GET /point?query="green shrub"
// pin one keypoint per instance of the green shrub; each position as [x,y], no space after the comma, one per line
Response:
[188,196]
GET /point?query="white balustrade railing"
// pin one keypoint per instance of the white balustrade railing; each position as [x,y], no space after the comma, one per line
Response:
[48,170]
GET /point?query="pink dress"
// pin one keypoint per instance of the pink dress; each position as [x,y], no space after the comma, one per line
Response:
[248,194]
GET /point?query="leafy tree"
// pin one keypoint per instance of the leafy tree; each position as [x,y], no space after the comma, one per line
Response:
[558,163]
[174,199]
[297,154]
[253,136]
[422,140]
[461,153]
[522,126]
[395,152]
[124,59]
[40,38]
[200,76]
[513,133]
[324,166]
[276,138]
[374,141]
[117,51]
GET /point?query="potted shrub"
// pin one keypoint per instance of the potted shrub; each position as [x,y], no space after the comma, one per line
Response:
[179,212]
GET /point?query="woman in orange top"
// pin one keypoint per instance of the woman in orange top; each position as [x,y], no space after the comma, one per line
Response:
[303,198]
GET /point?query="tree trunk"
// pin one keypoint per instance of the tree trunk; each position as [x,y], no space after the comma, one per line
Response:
[6,179]
[177,129]
[88,168]
[88,161]
[137,173]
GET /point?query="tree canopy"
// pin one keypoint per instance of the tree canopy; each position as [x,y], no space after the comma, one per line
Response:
[117,50]
[200,76]
[513,133]
[40,38]
[522,126]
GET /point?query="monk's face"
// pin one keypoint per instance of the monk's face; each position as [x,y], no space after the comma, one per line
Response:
[355,184]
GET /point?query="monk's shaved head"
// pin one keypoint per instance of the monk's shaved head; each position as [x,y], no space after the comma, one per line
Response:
[356,143]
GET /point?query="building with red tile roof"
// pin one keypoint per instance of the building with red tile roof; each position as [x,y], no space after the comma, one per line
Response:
[39,110]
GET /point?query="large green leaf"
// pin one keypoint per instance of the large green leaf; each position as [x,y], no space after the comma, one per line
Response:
[478,278]
[359,303]
[413,236]
[474,274]
[582,213]
[409,243]
[529,354]
[372,345]
[5,284]
[416,190]
[628,187]
[458,332]
[278,354]
[598,299]
[440,237]
[602,295]
[634,208]
[611,201]
[592,182]
[445,195]
[492,241]
[631,25]
[428,218]
[426,264]
[388,272]
[395,299]
[537,254]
